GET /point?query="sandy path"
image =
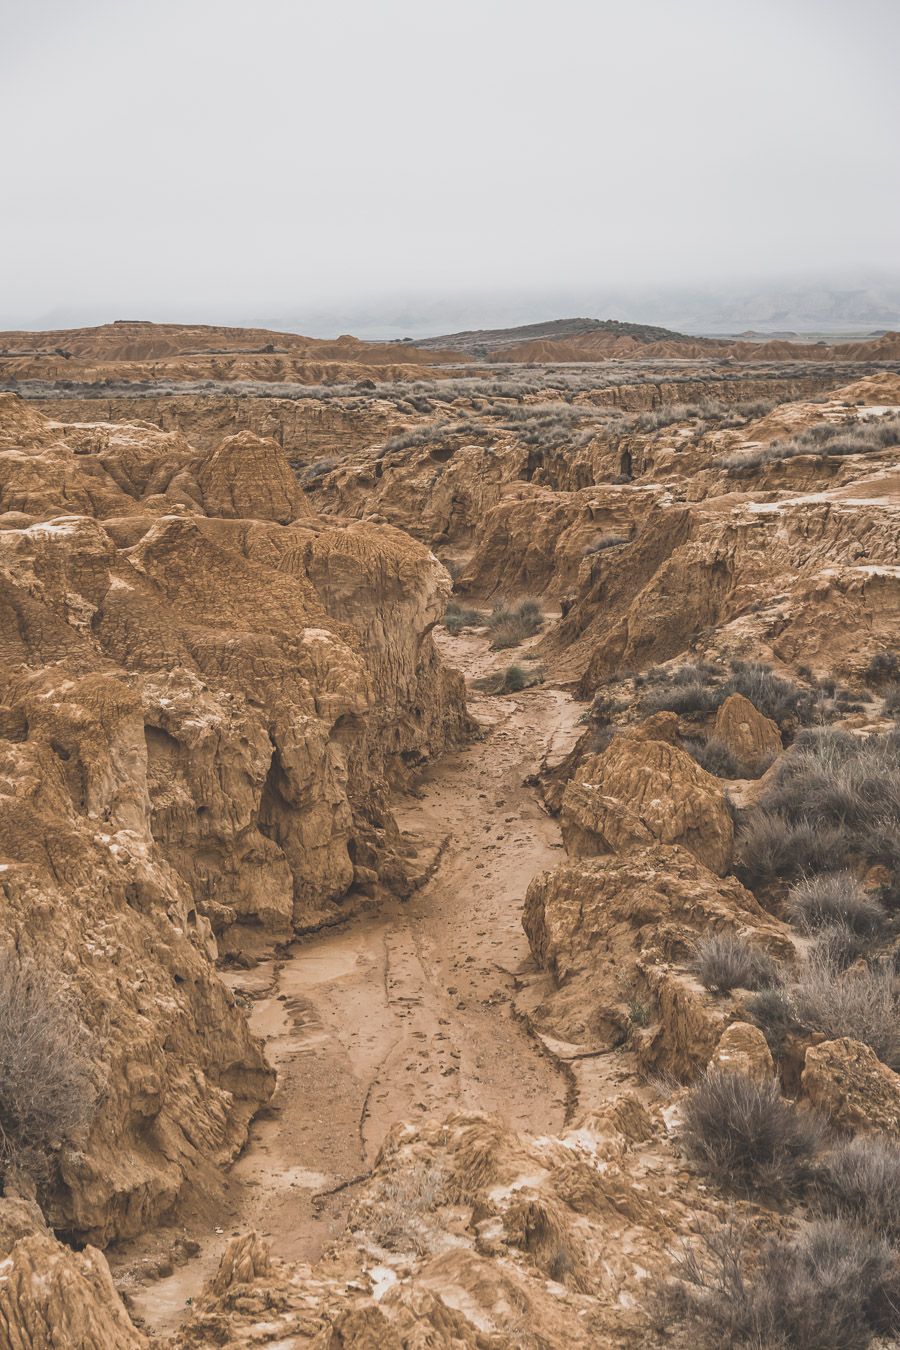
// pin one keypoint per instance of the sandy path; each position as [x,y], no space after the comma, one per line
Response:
[397,1015]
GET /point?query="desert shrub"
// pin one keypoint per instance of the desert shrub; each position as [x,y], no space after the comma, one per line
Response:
[747,1135]
[826,438]
[688,690]
[835,799]
[772,845]
[700,688]
[724,961]
[46,1086]
[838,946]
[456,618]
[604,542]
[772,1011]
[319,470]
[512,626]
[859,1180]
[884,668]
[771,694]
[400,1217]
[835,898]
[509,681]
[863,1004]
[832,1287]
[892,699]
[514,679]
[714,756]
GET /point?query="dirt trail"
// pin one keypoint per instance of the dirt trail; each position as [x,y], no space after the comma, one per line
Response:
[397,1015]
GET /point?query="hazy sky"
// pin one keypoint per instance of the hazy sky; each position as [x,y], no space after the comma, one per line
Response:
[199,157]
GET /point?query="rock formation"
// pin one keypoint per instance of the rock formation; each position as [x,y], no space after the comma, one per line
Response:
[197,757]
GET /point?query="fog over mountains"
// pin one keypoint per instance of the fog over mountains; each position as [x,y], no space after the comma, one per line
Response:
[829,307]
[854,305]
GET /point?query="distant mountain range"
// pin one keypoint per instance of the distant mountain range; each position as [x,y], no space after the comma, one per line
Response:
[807,310]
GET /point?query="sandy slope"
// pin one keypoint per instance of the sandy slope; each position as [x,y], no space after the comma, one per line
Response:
[400,1013]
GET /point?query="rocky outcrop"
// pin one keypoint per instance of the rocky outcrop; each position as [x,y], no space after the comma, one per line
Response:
[848,1083]
[742,1048]
[203,718]
[499,1237]
[642,788]
[52,1298]
[610,929]
[248,477]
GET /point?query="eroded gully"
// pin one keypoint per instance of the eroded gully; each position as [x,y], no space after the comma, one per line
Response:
[398,1015]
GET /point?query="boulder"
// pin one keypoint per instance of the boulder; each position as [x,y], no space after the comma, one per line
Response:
[753,740]
[607,926]
[51,1296]
[743,1049]
[662,792]
[848,1082]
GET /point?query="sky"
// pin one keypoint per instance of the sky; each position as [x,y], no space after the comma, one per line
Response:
[208,159]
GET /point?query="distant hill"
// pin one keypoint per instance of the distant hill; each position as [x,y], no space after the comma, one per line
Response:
[480,341]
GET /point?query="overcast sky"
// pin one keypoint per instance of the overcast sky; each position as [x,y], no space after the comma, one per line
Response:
[201,158]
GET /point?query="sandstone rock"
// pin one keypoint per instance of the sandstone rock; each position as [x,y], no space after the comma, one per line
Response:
[605,926]
[848,1082]
[661,791]
[53,1297]
[363,1328]
[196,749]
[753,740]
[248,477]
[246,1258]
[742,1048]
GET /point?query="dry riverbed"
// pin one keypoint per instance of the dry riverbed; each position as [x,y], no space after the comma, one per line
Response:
[399,1014]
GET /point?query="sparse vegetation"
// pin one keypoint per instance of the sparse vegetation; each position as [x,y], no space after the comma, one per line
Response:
[857,437]
[510,627]
[835,899]
[834,802]
[604,542]
[714,756]
[725,961]
[47,1093]
[399,1218]
[859,1180]
[456,618]
[702,688]
[833,1286]
[771,1010]
[772,845]
[861,1003]
[746,1135]
[884,668]
[510,681]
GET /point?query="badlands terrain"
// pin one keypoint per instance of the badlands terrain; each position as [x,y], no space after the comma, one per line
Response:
[450,825]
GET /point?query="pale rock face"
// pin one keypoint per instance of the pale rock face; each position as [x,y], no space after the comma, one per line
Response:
[848,1082]
[754,740]
[248,477]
